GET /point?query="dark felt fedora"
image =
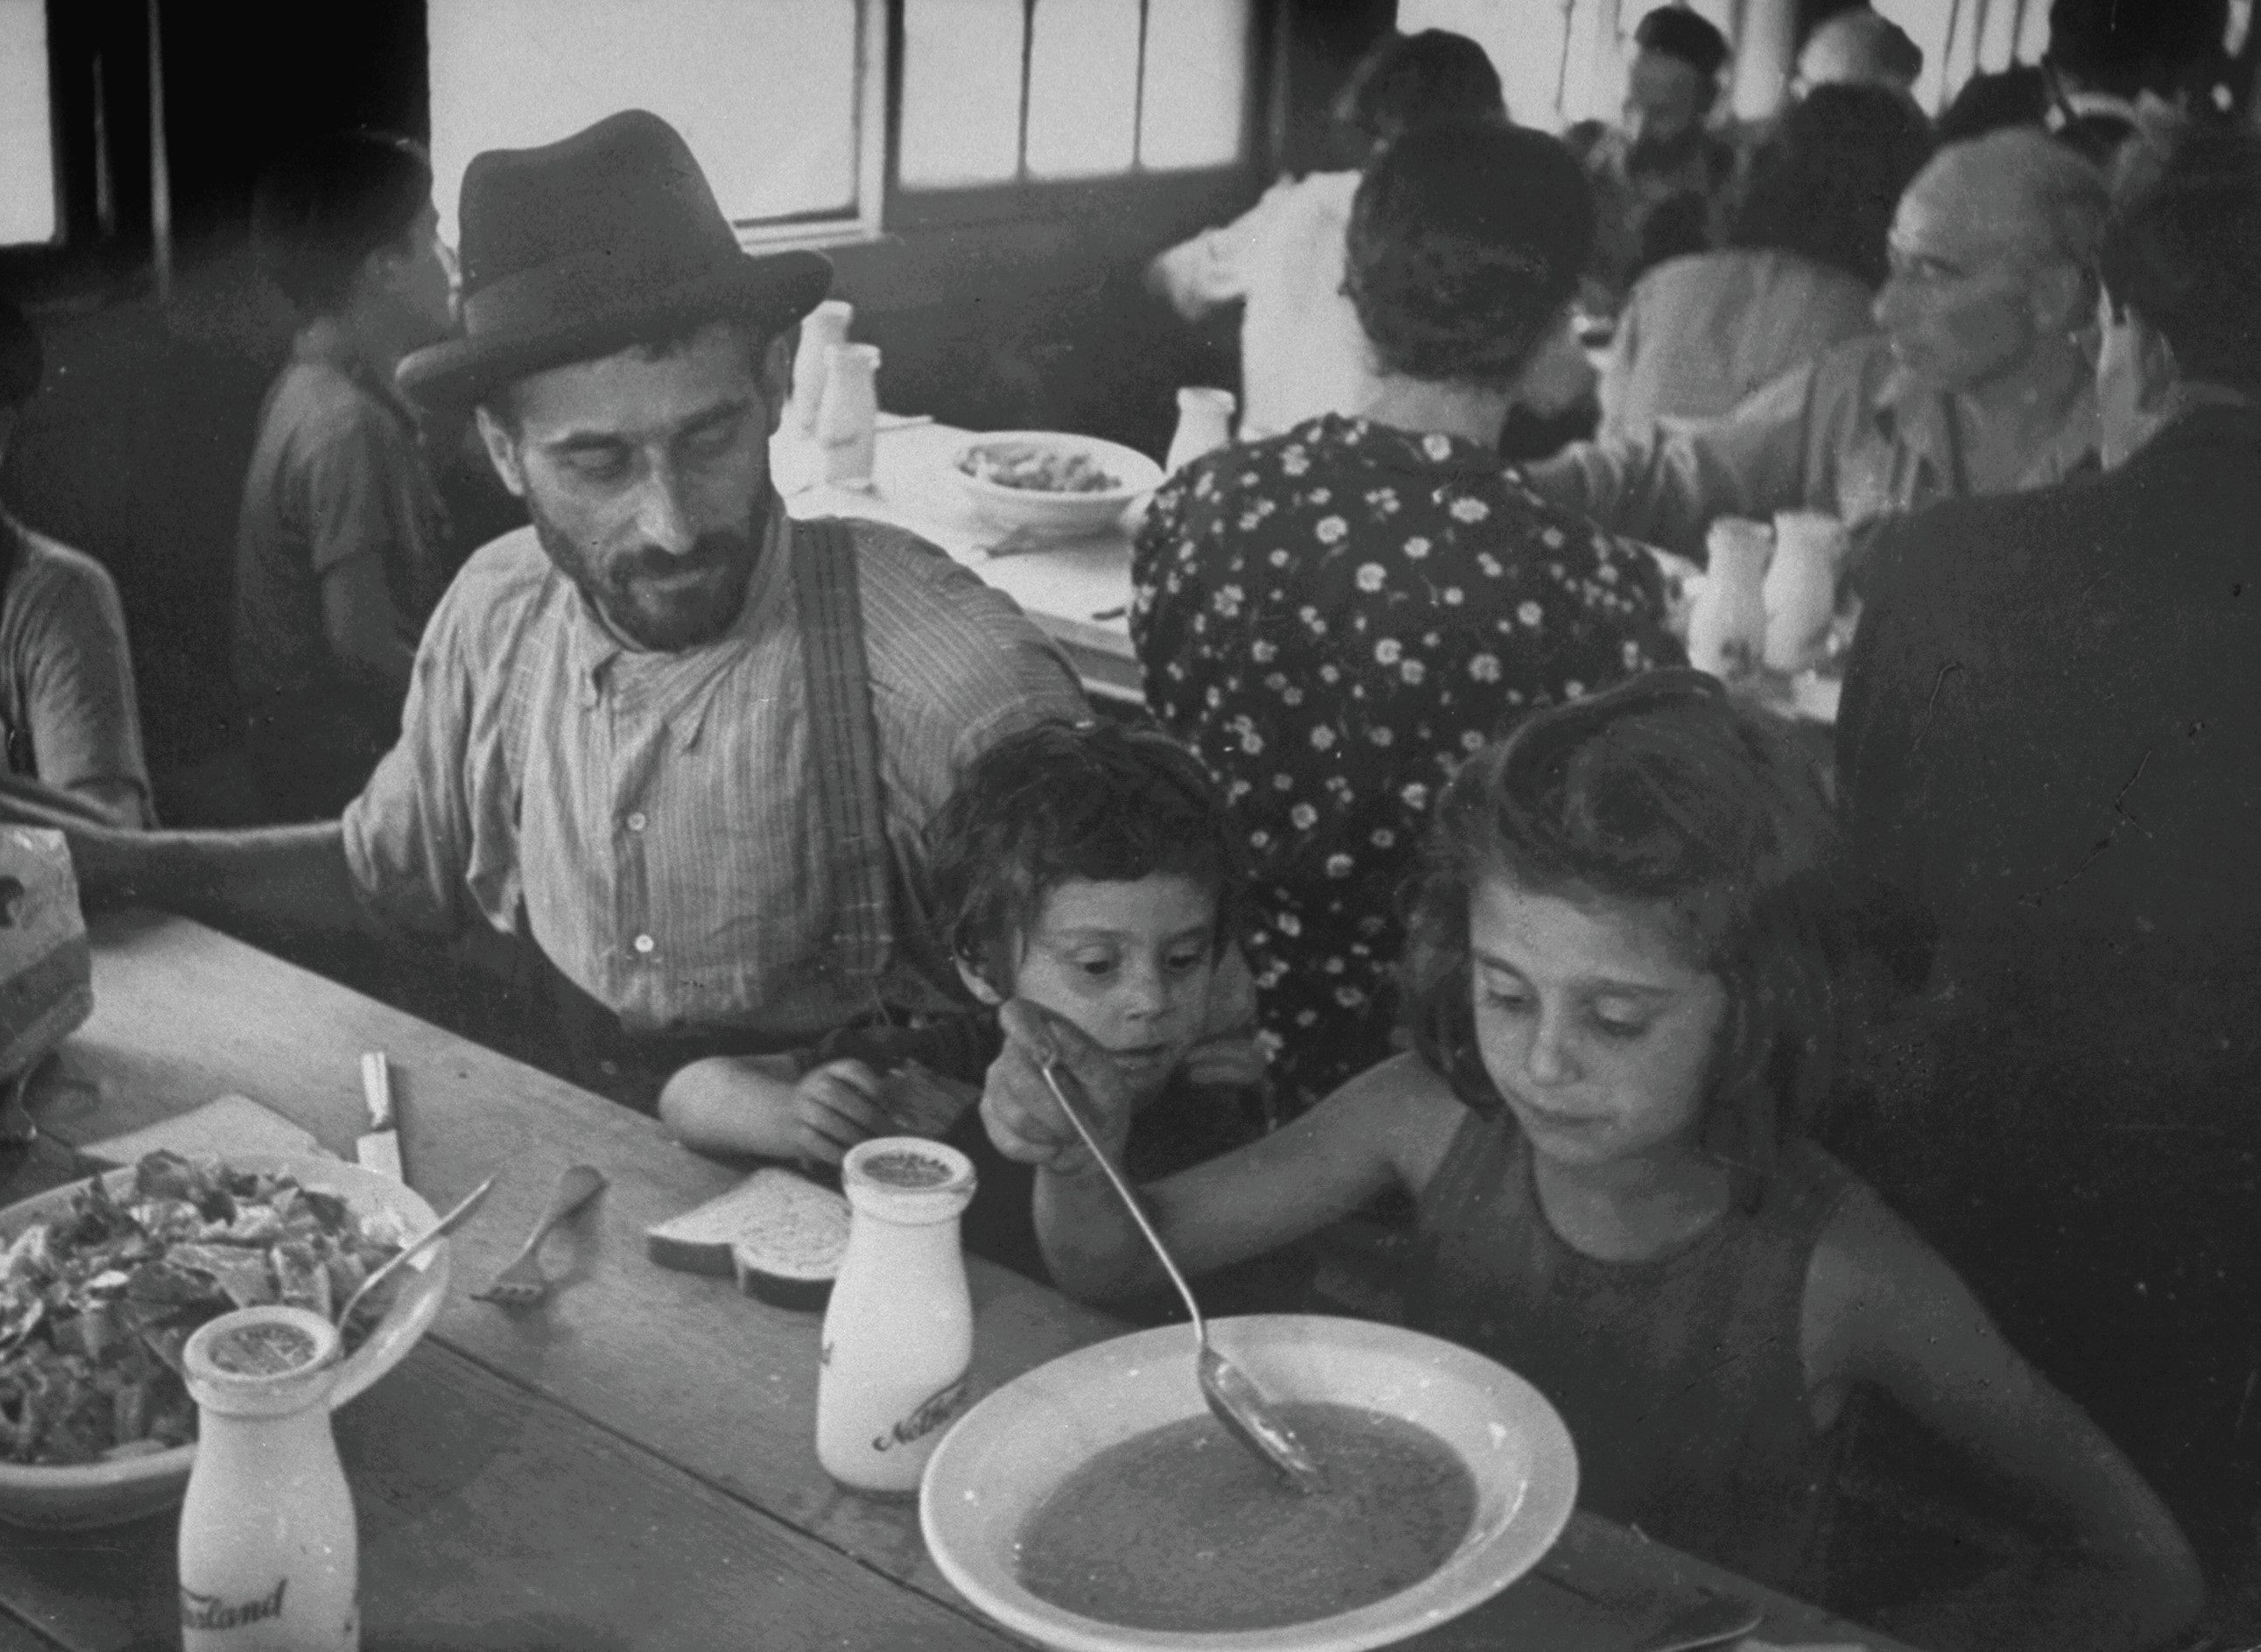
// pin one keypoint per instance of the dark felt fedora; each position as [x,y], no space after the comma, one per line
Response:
[580,247]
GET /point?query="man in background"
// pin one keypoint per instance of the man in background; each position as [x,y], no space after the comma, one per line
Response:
[341,546]
[68,717]
[1662,179]
[1302,350]
[1979,381]
[1857,48]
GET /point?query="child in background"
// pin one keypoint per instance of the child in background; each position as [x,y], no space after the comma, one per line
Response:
[1088,869]
[1628,988]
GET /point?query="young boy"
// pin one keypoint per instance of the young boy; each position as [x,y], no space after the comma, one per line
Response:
[1088,869]
[340,549]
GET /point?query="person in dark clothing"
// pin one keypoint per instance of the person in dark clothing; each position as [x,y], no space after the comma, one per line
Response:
[2051,745]
[2106,60]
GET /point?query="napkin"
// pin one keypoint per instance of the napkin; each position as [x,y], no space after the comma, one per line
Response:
[231,1124]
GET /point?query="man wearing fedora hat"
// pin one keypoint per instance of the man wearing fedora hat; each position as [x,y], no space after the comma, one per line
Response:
[680,745]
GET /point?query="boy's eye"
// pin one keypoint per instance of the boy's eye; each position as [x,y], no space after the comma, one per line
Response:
[1097,965]
[1185,963]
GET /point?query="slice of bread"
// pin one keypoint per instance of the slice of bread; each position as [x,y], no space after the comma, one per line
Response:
[781,1236]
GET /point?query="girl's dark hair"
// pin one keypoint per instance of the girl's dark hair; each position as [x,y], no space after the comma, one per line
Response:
[2186,250]
[1056,802]
[1825,184]
[1665,795]
[1412,80]
[334,200]
[1466,240]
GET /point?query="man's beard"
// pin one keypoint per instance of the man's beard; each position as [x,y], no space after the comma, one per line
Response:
[695,614]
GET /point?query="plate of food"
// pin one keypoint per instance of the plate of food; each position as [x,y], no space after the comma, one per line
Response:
[1094,1504]
[1047,485]
[103,1281]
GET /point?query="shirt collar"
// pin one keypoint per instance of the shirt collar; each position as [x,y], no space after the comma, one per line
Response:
[325,341]
[1913,415]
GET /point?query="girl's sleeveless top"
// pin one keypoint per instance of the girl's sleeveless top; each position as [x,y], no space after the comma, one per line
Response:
[1681,1378]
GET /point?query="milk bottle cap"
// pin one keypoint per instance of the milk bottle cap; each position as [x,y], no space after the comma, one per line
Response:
[907,1180]
[261,1361]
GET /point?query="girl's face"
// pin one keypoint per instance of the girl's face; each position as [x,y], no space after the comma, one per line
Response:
[1129,963]
[1596,1032]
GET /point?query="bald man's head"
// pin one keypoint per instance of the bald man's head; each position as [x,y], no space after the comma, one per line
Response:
[1992,249]
[1859,48]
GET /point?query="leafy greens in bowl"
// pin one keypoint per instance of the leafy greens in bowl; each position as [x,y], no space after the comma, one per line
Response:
[102,1282]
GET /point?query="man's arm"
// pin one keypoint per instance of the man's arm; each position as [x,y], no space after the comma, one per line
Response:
[1212,268]
[362,627]
[272,884]
[85,727]
[1666,488]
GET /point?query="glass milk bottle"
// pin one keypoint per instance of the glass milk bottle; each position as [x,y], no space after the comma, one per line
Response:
[821,330]
[1726,627]
[268,1555]
[898,1330]
[847,425]
[1204,426]
[1800,592]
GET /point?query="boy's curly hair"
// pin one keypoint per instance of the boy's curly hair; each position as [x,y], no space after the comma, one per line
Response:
[1466,240]
[1664,796]
[1059,801]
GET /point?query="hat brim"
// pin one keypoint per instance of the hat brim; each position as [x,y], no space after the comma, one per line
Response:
[772,292]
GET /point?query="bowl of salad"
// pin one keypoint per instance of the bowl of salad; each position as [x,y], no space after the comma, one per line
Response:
[103,1281]
[1045,484]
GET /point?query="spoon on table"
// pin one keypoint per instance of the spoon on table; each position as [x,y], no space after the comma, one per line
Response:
[1236,1401]
[439,1230]
[1714,1621]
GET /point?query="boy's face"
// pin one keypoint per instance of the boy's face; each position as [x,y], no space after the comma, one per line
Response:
[1129,964]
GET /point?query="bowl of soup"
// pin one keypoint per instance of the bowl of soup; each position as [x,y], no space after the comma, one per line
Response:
[1094,1505]
[1048,484]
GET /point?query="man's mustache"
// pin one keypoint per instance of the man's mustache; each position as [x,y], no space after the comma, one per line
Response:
[709,552]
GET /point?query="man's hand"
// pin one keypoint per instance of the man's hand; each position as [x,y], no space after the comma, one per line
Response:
[1022,1116]
[836,1106]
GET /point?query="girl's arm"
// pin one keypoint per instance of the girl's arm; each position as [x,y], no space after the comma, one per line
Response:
[1389,1125]
[1884,1308]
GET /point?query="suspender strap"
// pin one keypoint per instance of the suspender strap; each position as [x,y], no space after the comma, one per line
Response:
[843,755]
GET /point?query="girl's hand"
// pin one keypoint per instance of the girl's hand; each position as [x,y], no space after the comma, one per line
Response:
[1022,1116]
[836,1106]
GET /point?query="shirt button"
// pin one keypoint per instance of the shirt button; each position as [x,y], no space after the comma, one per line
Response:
[637,822]
[643,943]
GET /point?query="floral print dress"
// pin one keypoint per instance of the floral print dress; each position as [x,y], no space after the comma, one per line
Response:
[1334,618]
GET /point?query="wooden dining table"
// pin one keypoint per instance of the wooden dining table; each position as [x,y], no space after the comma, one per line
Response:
[629,1463]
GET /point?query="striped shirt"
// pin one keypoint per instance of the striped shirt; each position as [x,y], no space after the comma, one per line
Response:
[652,813]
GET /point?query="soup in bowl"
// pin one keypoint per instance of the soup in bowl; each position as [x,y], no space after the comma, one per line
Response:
[1094,1505]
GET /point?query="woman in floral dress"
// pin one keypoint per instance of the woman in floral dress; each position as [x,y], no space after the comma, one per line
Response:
[1334,617]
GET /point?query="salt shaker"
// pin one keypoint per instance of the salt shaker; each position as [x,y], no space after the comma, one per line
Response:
[1204,426]
[1726,627]
[898,1330]
[268,1555]
[820,329]
[847,425]
[1800,592]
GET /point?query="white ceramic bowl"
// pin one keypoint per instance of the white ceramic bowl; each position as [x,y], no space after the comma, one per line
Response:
[80,1495]
[1010,1451]
[1037,514]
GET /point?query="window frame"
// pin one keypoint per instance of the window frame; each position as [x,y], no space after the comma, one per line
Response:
[876,47]
[1138,190]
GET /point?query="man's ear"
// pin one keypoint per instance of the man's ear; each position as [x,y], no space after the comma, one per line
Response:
[978,985]
[777,373]
[502,453]
[2063,299]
